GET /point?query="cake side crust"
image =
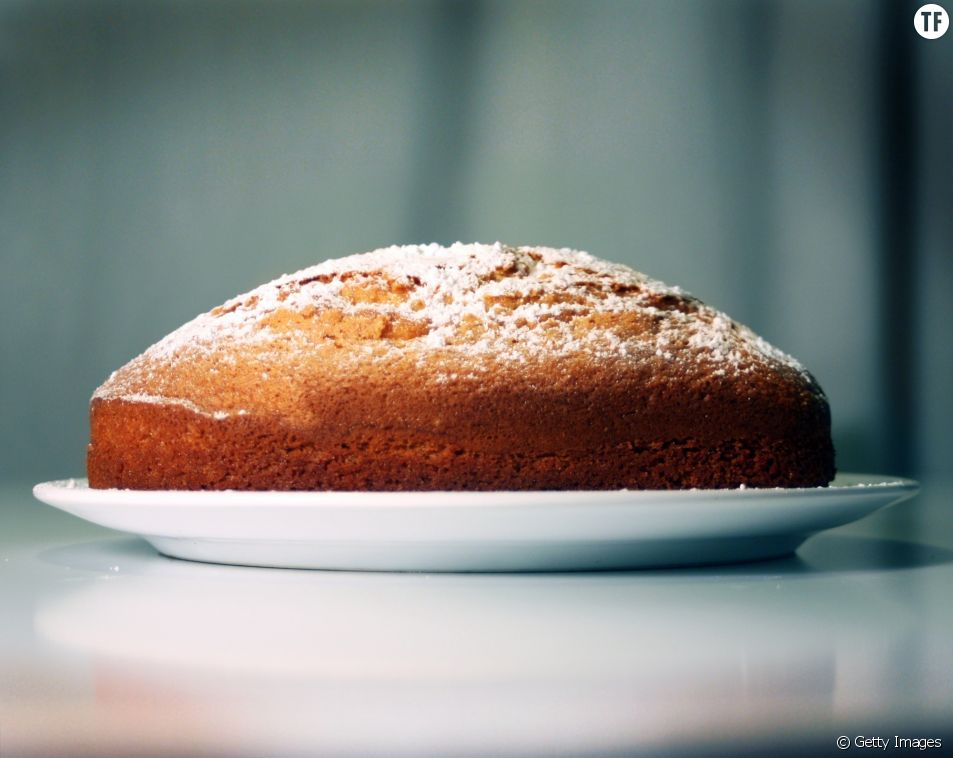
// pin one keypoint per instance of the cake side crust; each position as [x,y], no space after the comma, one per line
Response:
[554,427]
[160,448]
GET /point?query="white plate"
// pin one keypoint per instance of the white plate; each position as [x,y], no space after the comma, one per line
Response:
[478,531]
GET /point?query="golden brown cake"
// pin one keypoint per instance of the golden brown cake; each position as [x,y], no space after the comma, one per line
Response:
[470,367]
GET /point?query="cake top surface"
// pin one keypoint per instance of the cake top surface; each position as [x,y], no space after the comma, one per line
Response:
[472,301]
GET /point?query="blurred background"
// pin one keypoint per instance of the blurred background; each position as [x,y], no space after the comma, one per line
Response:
[788,162]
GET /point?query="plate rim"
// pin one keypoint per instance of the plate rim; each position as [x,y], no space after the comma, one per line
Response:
[478,531]
[77,491]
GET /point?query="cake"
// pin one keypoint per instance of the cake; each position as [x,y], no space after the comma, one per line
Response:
[469,367]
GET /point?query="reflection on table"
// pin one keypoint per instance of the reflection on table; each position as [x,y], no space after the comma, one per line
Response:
[199,658]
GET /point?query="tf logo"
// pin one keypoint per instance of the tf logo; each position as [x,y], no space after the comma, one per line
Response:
[931,21]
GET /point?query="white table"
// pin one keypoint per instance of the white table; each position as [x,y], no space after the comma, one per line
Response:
[107,648]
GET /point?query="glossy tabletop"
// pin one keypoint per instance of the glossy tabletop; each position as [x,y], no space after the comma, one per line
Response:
[108,648]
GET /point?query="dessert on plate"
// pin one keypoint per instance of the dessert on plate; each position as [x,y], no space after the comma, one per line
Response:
[468,367]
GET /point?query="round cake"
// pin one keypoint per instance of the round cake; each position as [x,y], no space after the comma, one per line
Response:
[469,367]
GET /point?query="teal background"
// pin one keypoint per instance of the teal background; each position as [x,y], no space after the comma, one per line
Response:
[788,162]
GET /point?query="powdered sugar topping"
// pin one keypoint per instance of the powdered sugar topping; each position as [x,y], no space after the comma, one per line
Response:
[514,303]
